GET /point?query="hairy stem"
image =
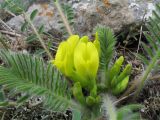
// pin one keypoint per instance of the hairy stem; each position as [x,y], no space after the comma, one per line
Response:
[147,72]
[38,35]
[65,21]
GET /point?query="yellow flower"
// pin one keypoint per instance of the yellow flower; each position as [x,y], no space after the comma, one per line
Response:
[78,59]
[86,61]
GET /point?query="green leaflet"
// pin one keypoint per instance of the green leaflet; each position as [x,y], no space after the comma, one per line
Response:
[117,81]
[127,112]
[120,87]
[107,42]
[126,72]
[151,48]
[114,71]
[30,74]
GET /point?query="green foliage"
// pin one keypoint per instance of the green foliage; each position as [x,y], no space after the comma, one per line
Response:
[109,108]
[130,35]
[29,74]
[117,81]
[33,14]
[152,49]
[2,96]
[127,112]
[18,7]
[15,6]
[26,24]
[77,92]
[153,37]
[107,43]
[32,37]
[41,29]
[76,115]
[69,14]
[114,80]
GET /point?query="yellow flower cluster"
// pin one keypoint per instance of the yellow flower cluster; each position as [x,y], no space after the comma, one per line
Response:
[78,59]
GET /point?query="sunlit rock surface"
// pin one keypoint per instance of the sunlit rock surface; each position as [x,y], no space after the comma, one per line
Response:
[117,14]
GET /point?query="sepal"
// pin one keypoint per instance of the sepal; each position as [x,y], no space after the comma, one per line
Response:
[77,92]
[126,72]
[117,81]
[120,86]
[116,67]
[92,101]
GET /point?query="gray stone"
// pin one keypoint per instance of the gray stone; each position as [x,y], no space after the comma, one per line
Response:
[1,1]
[142,8]
[116,14]
[47,15]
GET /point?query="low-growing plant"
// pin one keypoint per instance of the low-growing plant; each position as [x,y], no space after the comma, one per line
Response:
[79,78]
[78,59]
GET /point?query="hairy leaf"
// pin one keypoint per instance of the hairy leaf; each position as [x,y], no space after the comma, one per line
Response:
[107,43]
[31,75]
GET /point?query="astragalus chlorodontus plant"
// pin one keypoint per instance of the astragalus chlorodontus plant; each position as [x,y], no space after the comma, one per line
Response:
[87,76]
[78,59]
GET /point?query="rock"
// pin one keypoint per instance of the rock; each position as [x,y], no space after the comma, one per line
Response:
[117,14]
[142,8]
[46,15]
[114,14]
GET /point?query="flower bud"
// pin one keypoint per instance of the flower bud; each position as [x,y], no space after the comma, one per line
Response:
[120,87]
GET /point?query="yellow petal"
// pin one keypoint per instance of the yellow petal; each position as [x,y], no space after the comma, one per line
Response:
[84,39]
[97,43]
[79,58]
[93,59]
[86,60]
[61,54]
[64,56]
[73,41]
[68,65]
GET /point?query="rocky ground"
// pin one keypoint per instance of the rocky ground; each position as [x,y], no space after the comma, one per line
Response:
[88,13]
[127,19]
